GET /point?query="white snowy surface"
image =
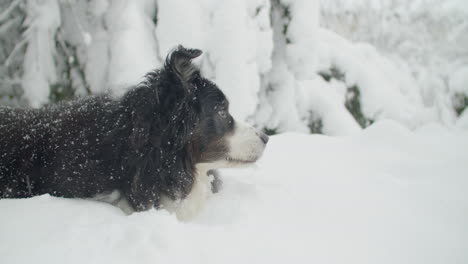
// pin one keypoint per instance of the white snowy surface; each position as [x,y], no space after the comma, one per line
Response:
[382,195]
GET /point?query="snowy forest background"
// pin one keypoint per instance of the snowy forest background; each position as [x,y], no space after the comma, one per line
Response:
[330,66]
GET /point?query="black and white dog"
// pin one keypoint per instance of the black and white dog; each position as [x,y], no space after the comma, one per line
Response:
[154,145]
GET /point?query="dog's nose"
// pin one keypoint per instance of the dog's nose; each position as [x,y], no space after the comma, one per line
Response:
[263,137]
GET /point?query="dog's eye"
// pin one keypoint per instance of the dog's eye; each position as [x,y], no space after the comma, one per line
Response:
[222,113]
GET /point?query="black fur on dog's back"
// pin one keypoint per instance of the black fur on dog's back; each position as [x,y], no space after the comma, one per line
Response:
[142,144]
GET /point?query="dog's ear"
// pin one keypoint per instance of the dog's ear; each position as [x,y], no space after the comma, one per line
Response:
[179,63]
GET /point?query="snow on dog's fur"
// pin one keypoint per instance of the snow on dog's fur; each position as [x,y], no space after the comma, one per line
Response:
[155,145]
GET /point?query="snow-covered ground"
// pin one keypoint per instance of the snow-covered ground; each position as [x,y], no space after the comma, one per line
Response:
[382,195]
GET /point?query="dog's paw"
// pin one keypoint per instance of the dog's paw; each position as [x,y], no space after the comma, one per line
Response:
[216,182]
[189,207]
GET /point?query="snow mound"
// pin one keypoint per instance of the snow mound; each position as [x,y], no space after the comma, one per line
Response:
[382,195]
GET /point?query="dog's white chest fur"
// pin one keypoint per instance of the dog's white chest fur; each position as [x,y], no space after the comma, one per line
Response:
[193,203]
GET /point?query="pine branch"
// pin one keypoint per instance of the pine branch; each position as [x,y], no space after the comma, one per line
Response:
[14,51]
[11,81]
[6,14]
[77,65]
[8,24]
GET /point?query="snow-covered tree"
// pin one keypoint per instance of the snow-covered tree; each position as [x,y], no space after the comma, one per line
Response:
[12,46]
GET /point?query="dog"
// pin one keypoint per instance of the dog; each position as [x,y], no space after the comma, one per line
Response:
[154,145]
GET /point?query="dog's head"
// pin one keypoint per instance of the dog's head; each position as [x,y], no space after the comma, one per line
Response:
[220,139]
[190,112]
[217,138]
